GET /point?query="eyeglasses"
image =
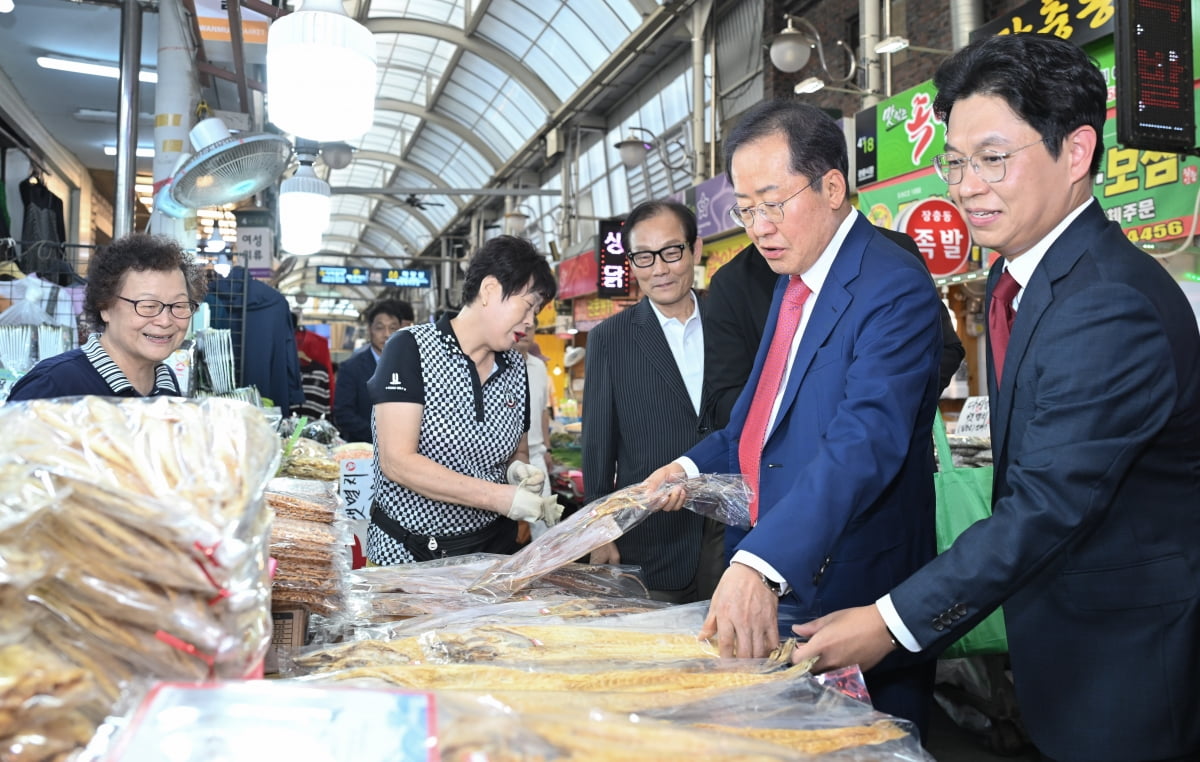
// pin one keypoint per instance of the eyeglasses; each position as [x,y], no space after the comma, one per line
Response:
[668,254]
[153,308]
[771,211]
[989,165]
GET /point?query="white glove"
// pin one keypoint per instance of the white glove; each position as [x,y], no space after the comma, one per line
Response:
[551,510]
[527,506]
[526,476]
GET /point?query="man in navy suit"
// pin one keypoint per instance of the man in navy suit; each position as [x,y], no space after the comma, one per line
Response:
[837,411]
[1093,547]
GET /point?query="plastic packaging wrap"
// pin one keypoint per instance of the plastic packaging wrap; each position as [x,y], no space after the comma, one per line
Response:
[146,520]
[720,496]
[41,705]
[791,718]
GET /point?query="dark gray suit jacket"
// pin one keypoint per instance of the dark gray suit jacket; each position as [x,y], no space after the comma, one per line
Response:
[637,416]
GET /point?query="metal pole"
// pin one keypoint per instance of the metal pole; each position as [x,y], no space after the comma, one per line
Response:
[127,114]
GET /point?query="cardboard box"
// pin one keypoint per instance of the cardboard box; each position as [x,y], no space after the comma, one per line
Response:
[289,632]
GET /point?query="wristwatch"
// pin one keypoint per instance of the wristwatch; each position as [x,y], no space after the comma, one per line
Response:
[772,585]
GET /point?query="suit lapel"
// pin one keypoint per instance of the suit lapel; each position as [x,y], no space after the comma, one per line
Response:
[827,310]
[650,341]
[1036,298]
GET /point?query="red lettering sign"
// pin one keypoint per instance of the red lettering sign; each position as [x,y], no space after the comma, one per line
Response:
[941,234]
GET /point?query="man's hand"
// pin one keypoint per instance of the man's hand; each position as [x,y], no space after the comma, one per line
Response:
[526,476]
[673,499]
[850,636]
[606,554]
[744,615]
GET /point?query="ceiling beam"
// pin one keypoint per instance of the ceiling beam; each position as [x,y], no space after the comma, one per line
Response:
[459,129]
[499,57]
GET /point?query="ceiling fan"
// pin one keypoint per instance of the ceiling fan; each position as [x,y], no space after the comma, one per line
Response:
[415,202]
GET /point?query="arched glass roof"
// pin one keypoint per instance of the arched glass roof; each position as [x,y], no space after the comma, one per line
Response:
[463,89]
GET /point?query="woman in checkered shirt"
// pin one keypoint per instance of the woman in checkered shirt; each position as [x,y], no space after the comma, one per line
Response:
[451,412]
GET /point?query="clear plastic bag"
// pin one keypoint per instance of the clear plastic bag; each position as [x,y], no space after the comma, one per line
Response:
[720,496]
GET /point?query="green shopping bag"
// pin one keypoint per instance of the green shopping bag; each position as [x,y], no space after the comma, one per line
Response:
[964,496]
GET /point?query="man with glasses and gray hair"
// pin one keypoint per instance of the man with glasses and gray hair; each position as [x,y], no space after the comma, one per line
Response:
[833,427]
[645,375]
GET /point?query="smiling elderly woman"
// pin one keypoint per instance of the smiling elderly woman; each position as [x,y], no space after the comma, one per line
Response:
[451,416]
[141,293]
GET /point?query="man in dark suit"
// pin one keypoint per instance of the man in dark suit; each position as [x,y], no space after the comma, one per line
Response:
[1093,547]
[644,380]
[833,430]
[737,303]
[352,402]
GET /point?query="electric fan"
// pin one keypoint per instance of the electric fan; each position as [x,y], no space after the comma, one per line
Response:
[227,168]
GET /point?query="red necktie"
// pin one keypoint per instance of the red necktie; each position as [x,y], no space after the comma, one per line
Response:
[754,433]
[1000,319]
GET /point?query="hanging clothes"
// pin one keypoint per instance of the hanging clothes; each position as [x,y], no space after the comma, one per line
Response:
[264,326]
[45,229]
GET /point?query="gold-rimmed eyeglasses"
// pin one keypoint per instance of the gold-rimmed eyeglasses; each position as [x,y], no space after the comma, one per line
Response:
[771,211]
[989,165]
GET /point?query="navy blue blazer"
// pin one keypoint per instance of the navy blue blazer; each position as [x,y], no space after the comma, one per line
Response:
[351,401]
[846,484]
[1093,547]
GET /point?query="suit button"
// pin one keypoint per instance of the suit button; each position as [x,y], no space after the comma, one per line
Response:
[703,429]
[960,609]
[937,625]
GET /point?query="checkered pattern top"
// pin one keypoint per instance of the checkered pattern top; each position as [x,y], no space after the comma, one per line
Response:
[467,426]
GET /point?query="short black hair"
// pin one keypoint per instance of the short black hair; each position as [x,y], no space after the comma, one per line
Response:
[515,263]
[139,252]
[397,308]
[815,141]
[1050,83]
[648,209]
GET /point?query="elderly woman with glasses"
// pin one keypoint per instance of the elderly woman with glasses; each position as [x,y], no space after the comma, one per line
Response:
[140,296]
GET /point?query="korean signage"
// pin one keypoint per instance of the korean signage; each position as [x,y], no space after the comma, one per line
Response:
[714,199]
[256,241]
[408,278]
[940,233]
[589,313]
[897,136]
[1080,21]
[343,276]
[613,275]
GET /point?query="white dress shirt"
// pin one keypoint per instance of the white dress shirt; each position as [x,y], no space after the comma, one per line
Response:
[686,341]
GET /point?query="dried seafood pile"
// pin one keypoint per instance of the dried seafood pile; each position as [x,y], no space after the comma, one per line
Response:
[309,540]
[134,539]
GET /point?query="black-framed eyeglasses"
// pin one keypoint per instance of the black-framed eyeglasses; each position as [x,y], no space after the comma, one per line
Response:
[149,308]
[771,211]
[668,254]
[990,165]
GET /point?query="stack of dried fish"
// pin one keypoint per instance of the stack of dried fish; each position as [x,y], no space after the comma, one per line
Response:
[310,541]
[146,526]
[41,705]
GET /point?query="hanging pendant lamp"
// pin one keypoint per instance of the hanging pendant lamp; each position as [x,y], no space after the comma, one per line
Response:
[321,73]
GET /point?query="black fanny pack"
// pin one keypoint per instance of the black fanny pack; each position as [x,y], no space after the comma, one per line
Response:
[500,536]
